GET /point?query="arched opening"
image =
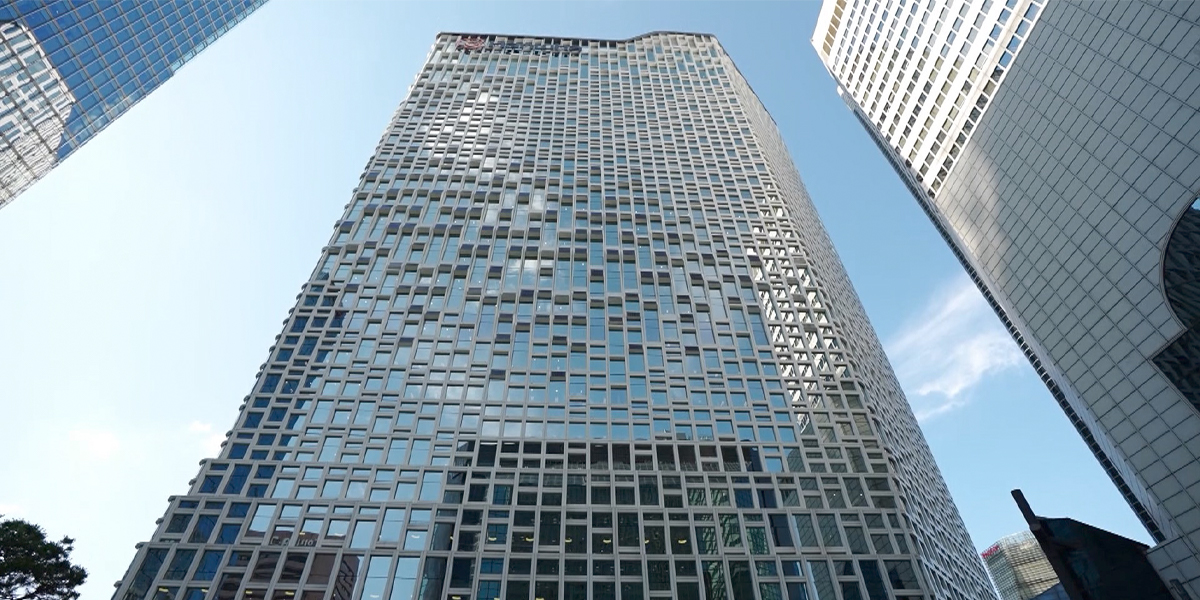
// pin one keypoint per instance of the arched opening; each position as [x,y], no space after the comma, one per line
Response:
[1180,360]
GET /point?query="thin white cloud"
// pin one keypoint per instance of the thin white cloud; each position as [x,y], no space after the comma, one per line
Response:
[94,444]
[953,345]
[11,511]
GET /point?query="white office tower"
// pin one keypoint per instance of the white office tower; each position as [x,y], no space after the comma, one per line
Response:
[1018,567]
[579,335]
[1055,147]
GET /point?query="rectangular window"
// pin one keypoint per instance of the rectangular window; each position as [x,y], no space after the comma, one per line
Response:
[830,534]
[714,580]
[264,569]
[781,533]
[180,564]
[209,563]
[405,578]
[261,520]
[731,532]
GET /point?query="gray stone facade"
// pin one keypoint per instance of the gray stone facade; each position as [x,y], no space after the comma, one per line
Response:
[579,334]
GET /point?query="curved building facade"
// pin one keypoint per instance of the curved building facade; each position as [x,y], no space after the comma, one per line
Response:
[1066,189]
[579,334]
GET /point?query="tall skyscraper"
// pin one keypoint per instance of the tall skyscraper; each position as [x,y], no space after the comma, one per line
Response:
[1019,567]
[1055,147]
[69,67]
[579,333]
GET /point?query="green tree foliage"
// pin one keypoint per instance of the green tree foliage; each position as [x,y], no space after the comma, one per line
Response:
[34,568]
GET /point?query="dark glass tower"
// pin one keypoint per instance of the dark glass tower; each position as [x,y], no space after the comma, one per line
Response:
[579,335]
[69,67]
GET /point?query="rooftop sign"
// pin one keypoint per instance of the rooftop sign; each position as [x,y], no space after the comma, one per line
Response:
[469,44]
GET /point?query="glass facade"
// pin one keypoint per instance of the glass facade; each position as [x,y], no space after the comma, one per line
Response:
[945,61]
[69,67]
[579,334]
[1018,567]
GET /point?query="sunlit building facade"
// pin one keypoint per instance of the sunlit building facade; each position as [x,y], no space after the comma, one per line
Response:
[579,334]
[68,68]
[1056,147]
[1019,567]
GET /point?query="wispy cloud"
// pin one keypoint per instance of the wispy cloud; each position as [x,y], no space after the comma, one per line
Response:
[947,350]
[94,444]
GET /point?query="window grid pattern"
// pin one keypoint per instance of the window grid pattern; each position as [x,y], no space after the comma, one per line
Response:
[1019,567]
[68,68]
[1061,208]
[963,237]
[34,104]
[1127,156]
[579,334]
[923,73]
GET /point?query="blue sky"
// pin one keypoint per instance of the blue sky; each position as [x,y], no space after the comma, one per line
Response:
[145,278]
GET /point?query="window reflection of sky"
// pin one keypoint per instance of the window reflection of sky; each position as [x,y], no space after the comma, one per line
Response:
[112,53]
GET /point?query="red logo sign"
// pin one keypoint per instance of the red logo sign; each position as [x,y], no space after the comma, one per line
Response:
[470,43]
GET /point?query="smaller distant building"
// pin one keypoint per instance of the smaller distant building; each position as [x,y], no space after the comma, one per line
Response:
[1019,567]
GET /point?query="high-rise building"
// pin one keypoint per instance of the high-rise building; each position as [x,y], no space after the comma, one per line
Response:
[1019,567]
[68,68]
[1055,147]
[579,333]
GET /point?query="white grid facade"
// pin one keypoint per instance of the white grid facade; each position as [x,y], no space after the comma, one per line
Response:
[579,334]
[923,73]
[1071,204]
